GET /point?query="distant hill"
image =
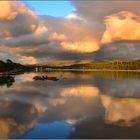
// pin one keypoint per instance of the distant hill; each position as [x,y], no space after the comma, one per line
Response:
[86,64]
[59,63]
[111,65]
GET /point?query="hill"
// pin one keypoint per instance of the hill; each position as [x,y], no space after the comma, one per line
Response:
[105,65]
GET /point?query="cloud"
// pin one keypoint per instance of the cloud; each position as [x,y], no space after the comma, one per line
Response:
[121,26]
[75,31]
[12,53]
[57,37]
[41,29]
[119,50]
[28,60]
[6,11]
[16,19]
[74,16]
[86,45]
[44,37]
[10,10]
[95,11]
[80,35]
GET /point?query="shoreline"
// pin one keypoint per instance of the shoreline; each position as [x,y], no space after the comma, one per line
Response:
[70,70]
[86,70]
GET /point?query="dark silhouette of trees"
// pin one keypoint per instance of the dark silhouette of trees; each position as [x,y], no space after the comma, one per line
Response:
[9,65]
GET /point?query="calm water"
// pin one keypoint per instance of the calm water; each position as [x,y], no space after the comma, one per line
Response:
[78,105]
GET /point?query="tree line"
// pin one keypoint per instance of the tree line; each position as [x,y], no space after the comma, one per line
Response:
[102,65]
[115,65]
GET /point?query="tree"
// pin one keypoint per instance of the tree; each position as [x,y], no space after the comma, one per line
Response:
[8,61]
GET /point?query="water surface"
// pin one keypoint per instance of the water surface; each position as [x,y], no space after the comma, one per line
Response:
[78,105]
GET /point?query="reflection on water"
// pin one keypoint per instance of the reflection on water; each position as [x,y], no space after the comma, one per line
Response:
[124,111]
[55,130]
[7,80]
[108,105]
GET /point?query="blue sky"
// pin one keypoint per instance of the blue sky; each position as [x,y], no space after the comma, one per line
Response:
[52,8]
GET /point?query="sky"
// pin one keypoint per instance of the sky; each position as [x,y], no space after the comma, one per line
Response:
[43,31]
[62,8]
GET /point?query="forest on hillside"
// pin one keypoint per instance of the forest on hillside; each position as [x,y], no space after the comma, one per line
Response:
[115,65]
[105,65]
